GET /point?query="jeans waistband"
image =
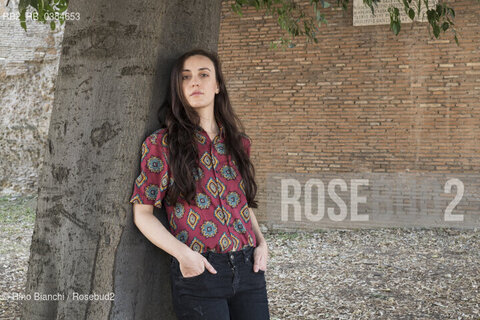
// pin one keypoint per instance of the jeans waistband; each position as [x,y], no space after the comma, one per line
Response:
[216,256]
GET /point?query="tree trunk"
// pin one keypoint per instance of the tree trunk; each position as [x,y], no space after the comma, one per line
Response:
[113,75]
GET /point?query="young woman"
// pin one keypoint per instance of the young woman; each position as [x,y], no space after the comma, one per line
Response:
[198,168]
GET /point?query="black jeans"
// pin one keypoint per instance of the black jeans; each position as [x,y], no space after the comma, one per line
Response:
[235,292]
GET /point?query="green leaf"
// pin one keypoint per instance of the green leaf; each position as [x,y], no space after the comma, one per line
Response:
[411,13]
[431,15]
[445,26]
[237,9]
[33,3]
[452,12]
[436,30]
[41,10]
[325,4]
[48,7]
[396,27]
[22,5]
[24,25]
[52,25]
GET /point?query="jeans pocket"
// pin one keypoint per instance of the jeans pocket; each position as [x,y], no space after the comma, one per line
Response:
[198,276]
[260,271]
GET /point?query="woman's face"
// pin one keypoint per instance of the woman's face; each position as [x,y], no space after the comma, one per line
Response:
[199,82]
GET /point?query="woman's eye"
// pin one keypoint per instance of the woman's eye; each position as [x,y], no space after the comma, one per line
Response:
[186,77]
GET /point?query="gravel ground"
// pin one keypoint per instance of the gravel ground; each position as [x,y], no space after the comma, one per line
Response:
[400,273]
[375,274]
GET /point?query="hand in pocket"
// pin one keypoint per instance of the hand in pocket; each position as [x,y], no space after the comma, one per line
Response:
[194,264]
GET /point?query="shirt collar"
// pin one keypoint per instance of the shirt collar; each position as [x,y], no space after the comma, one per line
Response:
[221,133]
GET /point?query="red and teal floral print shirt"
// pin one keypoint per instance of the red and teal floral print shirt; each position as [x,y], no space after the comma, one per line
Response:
[219,220]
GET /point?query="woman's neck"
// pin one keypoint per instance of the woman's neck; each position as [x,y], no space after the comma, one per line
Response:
[209,125]
[211,129]
[207,121]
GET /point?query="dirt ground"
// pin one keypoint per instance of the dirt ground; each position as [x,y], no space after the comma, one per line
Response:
[399,273]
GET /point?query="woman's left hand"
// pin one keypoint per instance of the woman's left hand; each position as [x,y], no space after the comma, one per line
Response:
[260,257]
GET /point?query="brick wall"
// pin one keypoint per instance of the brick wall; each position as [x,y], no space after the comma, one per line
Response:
[361,100]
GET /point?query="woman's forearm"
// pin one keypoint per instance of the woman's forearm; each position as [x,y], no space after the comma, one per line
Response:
[156,232]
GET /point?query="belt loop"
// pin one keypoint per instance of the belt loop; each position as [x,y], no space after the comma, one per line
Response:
[245,254]
[207,255]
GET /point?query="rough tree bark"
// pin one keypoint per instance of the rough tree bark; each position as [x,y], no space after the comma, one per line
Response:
[113,75]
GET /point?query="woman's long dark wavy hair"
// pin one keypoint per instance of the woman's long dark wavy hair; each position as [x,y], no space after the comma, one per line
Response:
[181,121]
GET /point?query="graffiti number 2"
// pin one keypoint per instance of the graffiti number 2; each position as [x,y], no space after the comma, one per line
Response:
[448,188]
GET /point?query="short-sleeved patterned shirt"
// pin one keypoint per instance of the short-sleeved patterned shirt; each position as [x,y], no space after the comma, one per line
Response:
[219,220]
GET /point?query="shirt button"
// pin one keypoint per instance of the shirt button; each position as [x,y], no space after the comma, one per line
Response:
[231,256]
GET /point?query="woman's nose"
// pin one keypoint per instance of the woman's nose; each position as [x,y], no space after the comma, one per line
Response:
[195,81]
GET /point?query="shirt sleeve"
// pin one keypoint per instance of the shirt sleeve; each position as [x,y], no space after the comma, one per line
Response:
[151,184]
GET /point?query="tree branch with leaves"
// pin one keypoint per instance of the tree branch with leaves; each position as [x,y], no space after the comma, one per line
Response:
[293,19]
[290,16]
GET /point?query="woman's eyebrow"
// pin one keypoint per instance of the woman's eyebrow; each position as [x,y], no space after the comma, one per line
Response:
[205,68]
